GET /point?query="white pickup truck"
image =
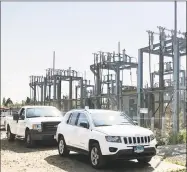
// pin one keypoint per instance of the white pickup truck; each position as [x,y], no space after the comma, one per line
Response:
[33,123]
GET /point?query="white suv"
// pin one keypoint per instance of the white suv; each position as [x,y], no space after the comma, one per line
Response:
[104,135]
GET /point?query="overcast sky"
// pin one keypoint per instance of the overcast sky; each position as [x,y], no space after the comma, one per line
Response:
[32,31]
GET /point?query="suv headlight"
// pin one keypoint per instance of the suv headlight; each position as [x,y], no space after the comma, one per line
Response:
[152,137]
[115,139]
[36,127]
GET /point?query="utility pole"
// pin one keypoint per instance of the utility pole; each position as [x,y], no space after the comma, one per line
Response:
[176,79]
[186,70]
[54,85]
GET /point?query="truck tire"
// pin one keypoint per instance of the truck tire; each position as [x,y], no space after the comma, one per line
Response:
[96,158]
[62,148]
[10,136]
[29,143]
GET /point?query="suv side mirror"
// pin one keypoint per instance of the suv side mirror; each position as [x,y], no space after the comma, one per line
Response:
[15,116]
[135,122]
[84,124]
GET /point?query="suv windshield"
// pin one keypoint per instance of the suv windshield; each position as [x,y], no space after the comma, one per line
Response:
[43,112]
[108,118]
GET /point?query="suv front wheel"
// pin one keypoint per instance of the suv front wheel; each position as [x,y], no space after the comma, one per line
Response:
[144,160]
[62,148]
[96,158]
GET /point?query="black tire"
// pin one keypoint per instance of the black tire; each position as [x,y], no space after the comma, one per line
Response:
[62,148]
[144,160]
[29,142]
[10,136]
[100,160]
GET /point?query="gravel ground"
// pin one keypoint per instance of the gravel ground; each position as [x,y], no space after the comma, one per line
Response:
[15,157]
[173,153]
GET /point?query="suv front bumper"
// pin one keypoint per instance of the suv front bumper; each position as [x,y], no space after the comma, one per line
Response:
[129,154]
[36,135]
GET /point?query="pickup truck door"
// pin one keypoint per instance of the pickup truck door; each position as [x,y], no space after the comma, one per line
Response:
[21,123]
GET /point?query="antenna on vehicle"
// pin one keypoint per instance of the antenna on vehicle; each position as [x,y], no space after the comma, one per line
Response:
[86,107]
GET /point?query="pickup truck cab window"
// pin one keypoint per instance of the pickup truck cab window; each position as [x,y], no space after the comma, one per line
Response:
[43,112]
[22,114]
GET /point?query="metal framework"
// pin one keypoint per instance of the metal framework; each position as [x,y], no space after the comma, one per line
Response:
[53,79]
[105,62]
[169,46]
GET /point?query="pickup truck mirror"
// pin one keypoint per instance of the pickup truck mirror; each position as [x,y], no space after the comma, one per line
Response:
[22,117]
[15,116]
[84,124]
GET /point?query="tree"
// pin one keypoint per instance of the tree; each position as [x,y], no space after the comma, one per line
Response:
[28,101]
[8,102]
[4,101]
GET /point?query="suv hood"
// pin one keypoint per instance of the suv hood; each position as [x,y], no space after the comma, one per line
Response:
[44,119]
[124,130]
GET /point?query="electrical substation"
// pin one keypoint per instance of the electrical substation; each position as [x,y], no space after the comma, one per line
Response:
[167,86]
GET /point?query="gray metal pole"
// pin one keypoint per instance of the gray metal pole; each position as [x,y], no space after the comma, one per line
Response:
[186,71]
[54,77]
[139,84]
[176,82]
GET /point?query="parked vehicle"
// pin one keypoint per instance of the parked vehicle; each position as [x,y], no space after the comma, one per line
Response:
[3,120]
[33,123]
[3,113]
[104,135]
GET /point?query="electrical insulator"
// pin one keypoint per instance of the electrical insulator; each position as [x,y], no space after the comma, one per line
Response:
[151,41]
[96,59]
[108,57]
[103,57]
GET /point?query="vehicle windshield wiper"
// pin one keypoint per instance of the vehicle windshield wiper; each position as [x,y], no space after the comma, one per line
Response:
[123,123]
[33,116]
[50,116]
[102,125]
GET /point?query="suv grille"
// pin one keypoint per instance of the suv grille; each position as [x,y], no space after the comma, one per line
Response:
[137,140]
[49,126]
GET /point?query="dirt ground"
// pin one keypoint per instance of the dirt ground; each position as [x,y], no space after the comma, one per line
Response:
[44,158]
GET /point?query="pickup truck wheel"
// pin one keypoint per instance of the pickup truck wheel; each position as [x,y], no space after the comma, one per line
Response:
[62,148]
[144,160]
[96,158]
[10,136]
[29,143]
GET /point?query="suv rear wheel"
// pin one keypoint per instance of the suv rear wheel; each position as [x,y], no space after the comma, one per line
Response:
[62,148]
[96,158]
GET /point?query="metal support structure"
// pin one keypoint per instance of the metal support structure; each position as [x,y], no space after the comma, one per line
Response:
[81,95]
[45,89]
[34,94]
[139,85]
[70,92]
[176,80]
[118,87]
[54,89]
[42,94]
[161,86]
[59,93]
[98,88]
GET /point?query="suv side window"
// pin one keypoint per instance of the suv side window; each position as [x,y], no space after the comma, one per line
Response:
[73,118]
[82,118]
